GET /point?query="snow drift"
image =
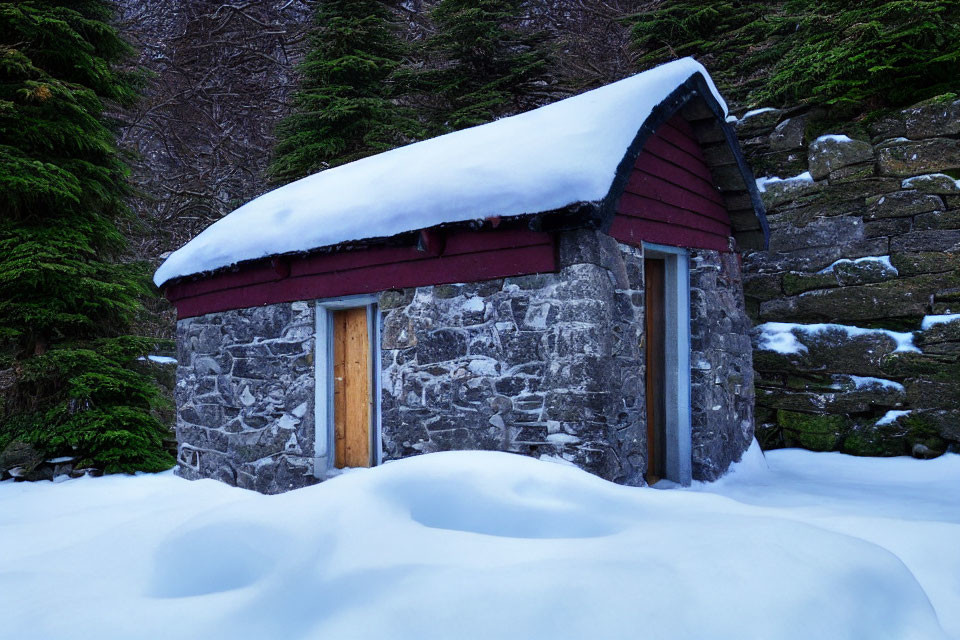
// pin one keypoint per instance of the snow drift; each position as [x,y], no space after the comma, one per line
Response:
[480,545]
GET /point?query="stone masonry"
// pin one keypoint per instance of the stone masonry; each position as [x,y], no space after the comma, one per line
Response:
[245,397]
[721,363]
[552,365]
[543,365]
[868,243]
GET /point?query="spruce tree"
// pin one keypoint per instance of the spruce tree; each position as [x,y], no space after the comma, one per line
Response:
[491,66]
[345,106]
[66,302]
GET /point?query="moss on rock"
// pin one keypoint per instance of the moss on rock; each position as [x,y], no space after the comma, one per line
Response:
[914,263]
[874,441]
[816,432]
[925,429]
[796,283]
[918,365]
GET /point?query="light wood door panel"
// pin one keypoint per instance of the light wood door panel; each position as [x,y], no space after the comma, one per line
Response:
[351,388]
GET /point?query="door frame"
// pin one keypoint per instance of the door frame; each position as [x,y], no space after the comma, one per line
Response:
[323,380]
[678,441]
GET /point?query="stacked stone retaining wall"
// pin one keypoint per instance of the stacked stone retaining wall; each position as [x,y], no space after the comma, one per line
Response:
[865,244]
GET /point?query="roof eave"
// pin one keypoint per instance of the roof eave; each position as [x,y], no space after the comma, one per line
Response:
[731,173]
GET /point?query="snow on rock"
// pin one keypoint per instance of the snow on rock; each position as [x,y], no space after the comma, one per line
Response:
[867,382]
[159,359]
[833,137]
[779,337]
[931,321]
[832,152]
[756,112]
[562,438]
[782,336]
[891,416]
[801,179]
[474,304]
[883,261]
[545,159]
[484,366]
[931,179]
[481,545]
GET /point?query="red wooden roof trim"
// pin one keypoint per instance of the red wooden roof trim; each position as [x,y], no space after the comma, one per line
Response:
[635,206]
[671,134]
[640,207]
[635,231]
[431,271]
[431,241]
[471,256]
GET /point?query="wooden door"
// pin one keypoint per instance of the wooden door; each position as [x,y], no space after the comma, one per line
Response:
[351,388]
[655,290]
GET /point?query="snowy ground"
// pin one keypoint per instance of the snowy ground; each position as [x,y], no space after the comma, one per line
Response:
[487,545]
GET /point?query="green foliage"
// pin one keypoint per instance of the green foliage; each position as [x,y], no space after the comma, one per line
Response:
[66,303]
[344,108]
[692,28]
[490,65]
[874,53]
[924,431]
[816,432]
[860,56]
[722,35]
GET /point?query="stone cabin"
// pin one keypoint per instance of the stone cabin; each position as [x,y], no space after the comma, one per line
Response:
[563,284]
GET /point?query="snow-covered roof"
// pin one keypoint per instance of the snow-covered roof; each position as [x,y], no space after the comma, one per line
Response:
[558,155]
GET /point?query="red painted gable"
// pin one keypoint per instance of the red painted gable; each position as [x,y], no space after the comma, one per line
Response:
[670,197]
[466,257]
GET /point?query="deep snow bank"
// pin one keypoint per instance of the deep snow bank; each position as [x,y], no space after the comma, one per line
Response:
[462,545]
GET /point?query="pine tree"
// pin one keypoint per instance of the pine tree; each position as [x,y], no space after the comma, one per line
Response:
[345,108]
[492,65]
[66,303]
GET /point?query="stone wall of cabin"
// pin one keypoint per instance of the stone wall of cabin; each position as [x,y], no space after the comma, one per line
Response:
[544,365]
[245,397]
[721,364]
[862,249]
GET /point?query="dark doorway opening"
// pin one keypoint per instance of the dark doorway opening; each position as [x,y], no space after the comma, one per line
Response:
[656,381]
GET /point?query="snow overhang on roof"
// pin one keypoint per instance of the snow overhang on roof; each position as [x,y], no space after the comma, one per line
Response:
[573,152]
